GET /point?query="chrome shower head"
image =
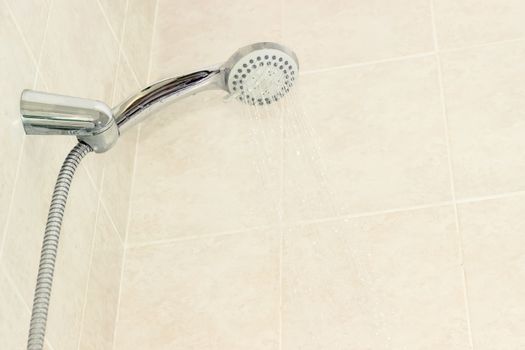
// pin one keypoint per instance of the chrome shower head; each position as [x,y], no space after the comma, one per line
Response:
[256,74]
[261,73]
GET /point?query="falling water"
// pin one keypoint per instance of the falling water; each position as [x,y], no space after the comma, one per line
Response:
[287,121]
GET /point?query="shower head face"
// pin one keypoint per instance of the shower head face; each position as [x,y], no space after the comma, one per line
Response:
[261,73]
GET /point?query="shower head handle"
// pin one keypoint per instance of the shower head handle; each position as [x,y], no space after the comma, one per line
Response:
[136,108]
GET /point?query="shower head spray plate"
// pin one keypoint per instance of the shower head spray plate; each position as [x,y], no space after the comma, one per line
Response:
[261,73]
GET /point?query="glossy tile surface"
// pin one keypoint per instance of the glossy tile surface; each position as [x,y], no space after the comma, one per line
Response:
[382,282]
[100,309]
[205,166]
[216,293]
[472,22]
[209,32]
[493,244]
[115,10]
[485,104]
[119,161]
[18,72]
[14,322]
[336,33]
[138,36]
[365,139]
[31,16]
[97,55]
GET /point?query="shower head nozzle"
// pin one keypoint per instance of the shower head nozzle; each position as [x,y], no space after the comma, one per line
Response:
[261,73]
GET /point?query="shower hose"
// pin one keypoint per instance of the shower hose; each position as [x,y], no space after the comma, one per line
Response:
[46,268]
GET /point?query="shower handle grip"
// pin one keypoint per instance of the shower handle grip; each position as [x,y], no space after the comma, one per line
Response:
[138,107]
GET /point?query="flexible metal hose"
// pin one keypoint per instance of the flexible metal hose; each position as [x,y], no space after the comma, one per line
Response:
[48,254]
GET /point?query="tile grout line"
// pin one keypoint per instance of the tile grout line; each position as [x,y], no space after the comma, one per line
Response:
[451,174]
[281,206]
[121,41]
[409,57]
[90,178]
[111,221]
[371,213]
[169,241]
[281,217]
[153,34]
[22,146]
[44,40]
[455,207]
[113,225]
[12,198]
[490,197]
[131,68]
[285,225]
[482,45]
[37,63]
[91,253]
[12,284]
[369,63]
[20,297]
[125,245]
[114,102]
[108,22]
[325,220]
[132,185]
[117,68]
[115,79]
[21,32]
[281,258]
[121,55]
[435,39]
[15,289]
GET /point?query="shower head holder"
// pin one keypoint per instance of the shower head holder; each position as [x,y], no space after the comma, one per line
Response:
[91,121]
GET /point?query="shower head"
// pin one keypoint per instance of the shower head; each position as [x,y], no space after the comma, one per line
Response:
[260,73]
[256,74]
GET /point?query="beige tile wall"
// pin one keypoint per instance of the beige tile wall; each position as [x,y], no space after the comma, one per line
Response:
[378,208]
[74,48]
[220,292]
[390,281]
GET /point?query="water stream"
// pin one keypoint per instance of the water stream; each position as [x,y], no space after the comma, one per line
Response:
[286,144]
